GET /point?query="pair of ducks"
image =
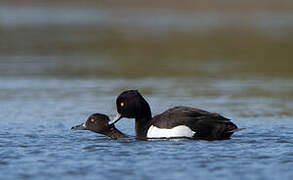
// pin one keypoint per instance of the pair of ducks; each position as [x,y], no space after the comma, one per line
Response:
[177,122]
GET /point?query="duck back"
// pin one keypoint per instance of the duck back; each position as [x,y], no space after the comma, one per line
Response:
[205,125]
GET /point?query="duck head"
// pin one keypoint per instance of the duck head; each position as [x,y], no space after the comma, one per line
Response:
[96,122]
[131,104]
[99,123]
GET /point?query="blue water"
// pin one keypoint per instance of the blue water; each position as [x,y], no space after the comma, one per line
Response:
[58,65]
[36,142]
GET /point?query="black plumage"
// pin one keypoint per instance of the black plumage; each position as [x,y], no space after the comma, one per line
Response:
[206,125]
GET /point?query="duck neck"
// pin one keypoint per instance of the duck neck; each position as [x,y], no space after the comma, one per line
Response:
[141,127]
[143,119]
[114,133]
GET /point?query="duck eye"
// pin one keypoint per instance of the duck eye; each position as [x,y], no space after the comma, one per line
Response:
[122,104]
[92,120]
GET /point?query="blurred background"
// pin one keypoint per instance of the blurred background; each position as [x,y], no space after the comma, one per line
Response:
[141,39]
[62,60]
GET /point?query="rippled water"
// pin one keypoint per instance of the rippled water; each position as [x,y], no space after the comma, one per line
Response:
[37,113]
[59,64]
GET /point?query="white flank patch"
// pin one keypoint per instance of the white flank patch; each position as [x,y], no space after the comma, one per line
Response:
[178,131]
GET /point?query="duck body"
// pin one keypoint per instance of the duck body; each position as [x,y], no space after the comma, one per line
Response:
[190,122]
[180,121]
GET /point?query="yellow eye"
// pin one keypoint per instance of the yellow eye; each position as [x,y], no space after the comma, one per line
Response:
[92,120]
[122,104]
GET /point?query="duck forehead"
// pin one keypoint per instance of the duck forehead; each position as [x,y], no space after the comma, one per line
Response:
[128,95]
[99,116]
[177,131]
[130,92]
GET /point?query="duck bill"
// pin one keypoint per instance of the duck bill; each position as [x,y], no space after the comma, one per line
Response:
[116,119]
[79,127]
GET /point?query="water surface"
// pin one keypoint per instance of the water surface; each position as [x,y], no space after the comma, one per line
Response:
[37,113]
[59,64]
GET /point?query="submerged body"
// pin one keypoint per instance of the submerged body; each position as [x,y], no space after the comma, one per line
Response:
[179,121]
[99,123]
